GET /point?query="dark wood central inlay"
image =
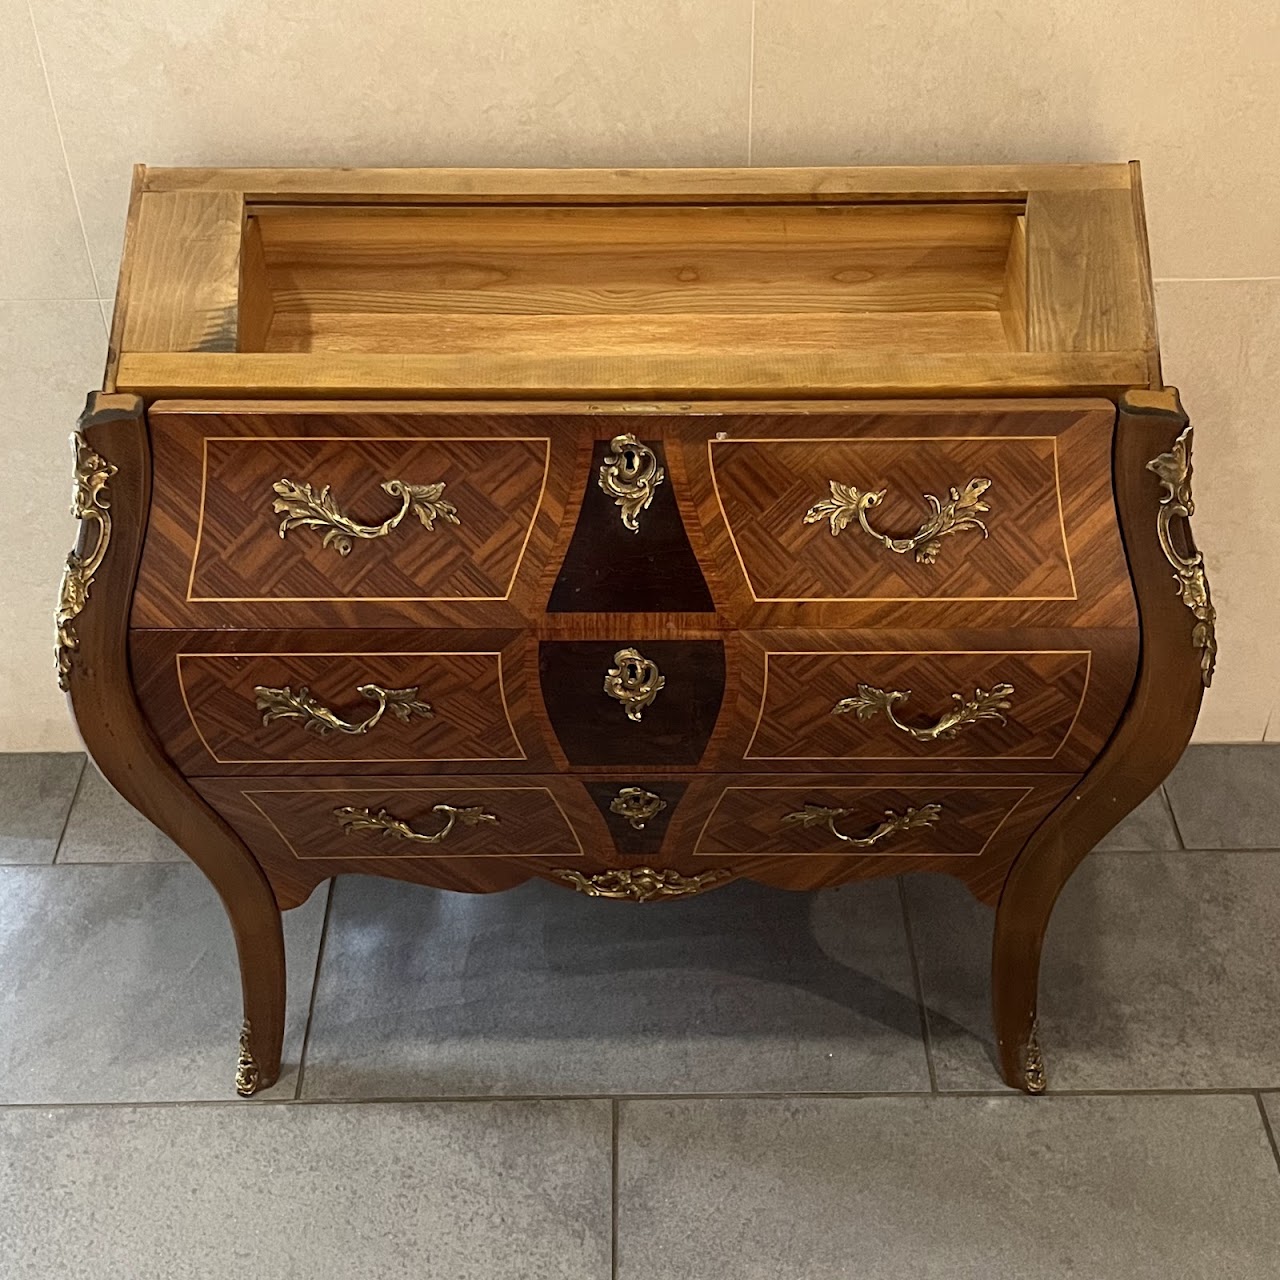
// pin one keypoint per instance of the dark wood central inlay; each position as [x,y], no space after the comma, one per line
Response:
[593,728]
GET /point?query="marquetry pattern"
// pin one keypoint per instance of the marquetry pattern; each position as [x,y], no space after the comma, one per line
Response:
[1052,556]
[784,558]
[750,819]
[214,549]
[526,821]
[469,719]
[797,719]
[493,484]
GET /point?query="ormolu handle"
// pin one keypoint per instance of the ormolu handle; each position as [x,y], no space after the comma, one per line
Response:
[301,507]
[629,475]
[986,704]
[352,820]
[822,815]
[959,512]
[284,704]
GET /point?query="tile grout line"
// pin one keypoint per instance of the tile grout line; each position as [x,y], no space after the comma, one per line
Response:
[918,984]
[66,821]
[1266,1126]
[1173,818]
[62,144]
[315,983]
[872,1095]
[615,1108]
[751,82]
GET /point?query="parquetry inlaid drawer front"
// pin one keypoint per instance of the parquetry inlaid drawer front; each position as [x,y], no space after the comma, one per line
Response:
[325,822]
[927,821]
[913,504]
[348,707]
[870,707]
[311,518]
[334,701]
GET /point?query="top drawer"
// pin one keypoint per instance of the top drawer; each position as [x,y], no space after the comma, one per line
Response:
[320,518]
[928,513]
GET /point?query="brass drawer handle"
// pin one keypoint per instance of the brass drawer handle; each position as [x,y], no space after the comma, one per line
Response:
[284,704]
[352,820]
[630,475]
[821,815]
[634,681]
[959,512]
[640,884]
[302,507]
[986,704]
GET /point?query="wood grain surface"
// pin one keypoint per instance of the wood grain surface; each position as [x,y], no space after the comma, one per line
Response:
[214,555]
[198,691]
[1152,733]
[124,748]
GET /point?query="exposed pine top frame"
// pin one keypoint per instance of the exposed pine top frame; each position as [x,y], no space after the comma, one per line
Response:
[901,182]
[1010,279]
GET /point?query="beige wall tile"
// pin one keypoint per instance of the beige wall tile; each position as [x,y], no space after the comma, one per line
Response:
[42,250]
[53,353]
[1188,88]
[1221,344]
[447,82]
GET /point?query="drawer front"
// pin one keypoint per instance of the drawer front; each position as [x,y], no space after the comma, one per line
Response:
[334,701]
[919,820]
[942,514]
[471,832]
[857,700]
[315,518]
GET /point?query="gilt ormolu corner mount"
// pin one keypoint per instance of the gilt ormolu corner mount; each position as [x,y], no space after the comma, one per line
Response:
[641,531]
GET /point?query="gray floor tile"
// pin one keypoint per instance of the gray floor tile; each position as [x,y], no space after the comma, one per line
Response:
[541,991]
[103,827]
[491,1190]
[1228,797]
[1115,1188]
[1149,826]
[1159,972]
[35,794]
[121,985]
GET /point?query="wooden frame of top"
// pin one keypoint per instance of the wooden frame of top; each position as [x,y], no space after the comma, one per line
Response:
[650,283]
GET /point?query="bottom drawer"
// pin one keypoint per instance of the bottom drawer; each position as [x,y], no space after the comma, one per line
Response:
[453,832]
[914,820]
[480,833]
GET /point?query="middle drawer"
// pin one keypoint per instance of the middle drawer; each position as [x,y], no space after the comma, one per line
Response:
[226,702]
[438,702]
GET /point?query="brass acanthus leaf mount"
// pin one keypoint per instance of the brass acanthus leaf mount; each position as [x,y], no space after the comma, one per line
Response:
[958,513]
[630,475]
[641,884]
[1174,472]
[89,502]
[827,815]
[986,704]
[247,1073]
[284,704]
[351,820]
[1033,1076]
[302,507]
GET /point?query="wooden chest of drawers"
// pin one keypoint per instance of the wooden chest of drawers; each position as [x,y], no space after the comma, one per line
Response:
[639,531]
